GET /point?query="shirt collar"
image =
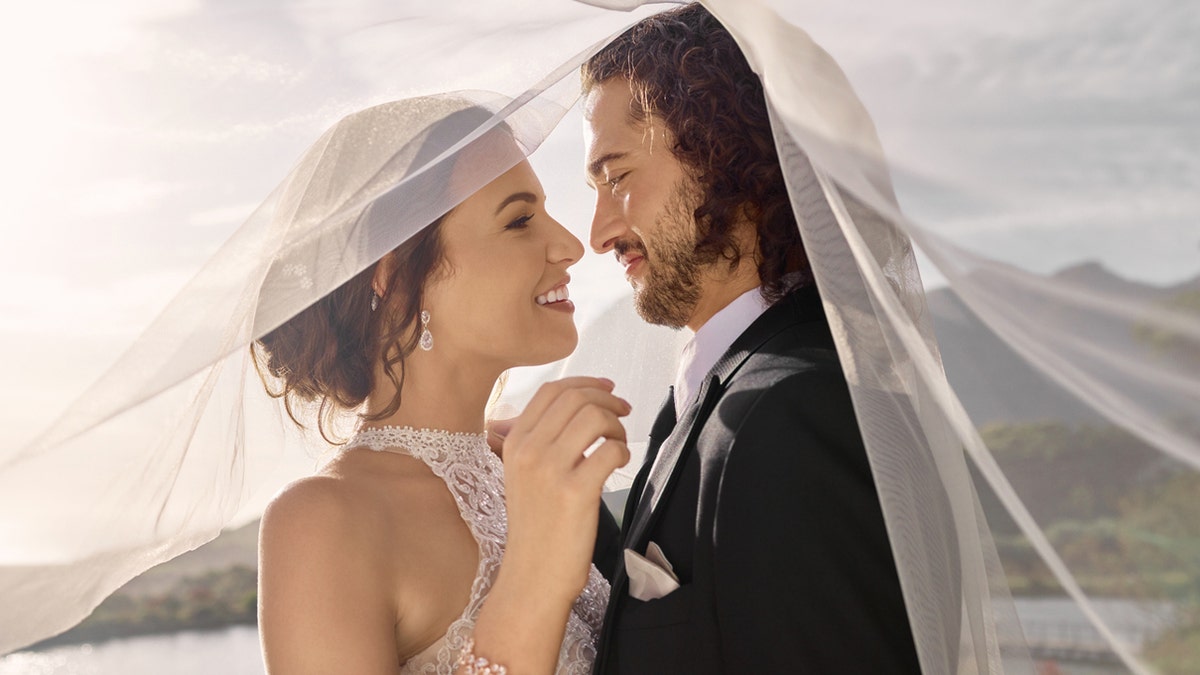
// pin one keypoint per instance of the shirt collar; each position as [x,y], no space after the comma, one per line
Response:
[712,340]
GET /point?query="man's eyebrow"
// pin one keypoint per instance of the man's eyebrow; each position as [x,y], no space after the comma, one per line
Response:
[598,163]
[517,197]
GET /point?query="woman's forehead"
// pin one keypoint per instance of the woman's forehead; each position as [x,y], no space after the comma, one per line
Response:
[485,159]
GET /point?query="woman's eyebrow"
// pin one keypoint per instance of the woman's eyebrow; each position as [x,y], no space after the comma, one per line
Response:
[517,197]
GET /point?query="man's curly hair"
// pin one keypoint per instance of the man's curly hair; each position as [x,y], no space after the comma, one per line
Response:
[684,68]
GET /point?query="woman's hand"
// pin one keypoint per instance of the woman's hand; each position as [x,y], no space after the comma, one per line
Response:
[497,430]
[552,491]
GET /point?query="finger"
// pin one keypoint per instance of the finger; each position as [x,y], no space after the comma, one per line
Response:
[543,436]
[589,425]
[495,442]
[565,411]
[597,467]
[499,428]
[548,393]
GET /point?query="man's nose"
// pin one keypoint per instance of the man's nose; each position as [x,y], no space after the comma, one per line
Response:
[608,224]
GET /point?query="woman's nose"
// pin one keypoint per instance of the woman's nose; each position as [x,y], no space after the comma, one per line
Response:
[565,246]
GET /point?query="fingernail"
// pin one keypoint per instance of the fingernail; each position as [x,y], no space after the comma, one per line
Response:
[609,382]
[628,406]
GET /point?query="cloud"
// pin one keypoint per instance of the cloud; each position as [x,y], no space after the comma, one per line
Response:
[223,216]
[120,195]
[203,65]
[1030,62]
[56,32]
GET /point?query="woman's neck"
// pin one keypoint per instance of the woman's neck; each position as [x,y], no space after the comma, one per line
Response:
[439,393]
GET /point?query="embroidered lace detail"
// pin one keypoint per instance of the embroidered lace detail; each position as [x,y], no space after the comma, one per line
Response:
[475,476]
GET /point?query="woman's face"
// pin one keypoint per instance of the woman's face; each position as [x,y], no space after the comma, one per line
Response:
[501,297]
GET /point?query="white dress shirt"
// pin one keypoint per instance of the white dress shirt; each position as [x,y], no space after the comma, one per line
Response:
[709,343]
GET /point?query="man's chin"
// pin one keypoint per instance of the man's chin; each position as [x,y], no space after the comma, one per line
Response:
[655,313]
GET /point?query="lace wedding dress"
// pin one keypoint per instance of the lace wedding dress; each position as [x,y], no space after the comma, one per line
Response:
[475,476]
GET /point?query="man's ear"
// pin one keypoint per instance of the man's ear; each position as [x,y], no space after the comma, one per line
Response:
[745,233]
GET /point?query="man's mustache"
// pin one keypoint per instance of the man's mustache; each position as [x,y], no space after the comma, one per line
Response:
[622,248]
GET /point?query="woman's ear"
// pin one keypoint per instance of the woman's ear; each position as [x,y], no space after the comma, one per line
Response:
[382,278]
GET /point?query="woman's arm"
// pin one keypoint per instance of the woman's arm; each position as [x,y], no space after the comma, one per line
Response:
[552,494]
[321,609]
[608,533]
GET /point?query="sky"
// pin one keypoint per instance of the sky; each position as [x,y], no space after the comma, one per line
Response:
[142,133]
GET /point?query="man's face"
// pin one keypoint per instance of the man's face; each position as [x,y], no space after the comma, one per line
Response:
[645,203]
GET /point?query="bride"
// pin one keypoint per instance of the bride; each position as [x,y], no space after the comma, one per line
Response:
[415,548]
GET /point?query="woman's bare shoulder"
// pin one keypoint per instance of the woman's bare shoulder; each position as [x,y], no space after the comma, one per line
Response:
[312,504]
[325,580]
[348,502]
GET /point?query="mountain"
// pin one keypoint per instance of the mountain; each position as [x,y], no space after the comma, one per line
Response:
[987,373]
[977,363]
[233,548]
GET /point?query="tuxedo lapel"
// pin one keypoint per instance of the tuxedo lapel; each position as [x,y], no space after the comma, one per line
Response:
[665,471]
[664,423]
[668,448]
[803,304]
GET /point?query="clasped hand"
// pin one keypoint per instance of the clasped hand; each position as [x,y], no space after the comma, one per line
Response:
[552,489]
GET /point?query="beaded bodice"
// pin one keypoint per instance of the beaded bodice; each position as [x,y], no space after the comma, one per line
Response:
[475,477]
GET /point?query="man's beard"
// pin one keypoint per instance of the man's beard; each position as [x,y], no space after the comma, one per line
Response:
[670,286]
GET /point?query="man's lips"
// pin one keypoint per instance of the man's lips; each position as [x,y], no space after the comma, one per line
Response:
[631,262]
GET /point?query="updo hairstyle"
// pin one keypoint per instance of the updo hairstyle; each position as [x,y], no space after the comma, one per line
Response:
[325,356]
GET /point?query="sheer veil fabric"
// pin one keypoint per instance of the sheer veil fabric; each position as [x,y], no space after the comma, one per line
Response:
[176,439]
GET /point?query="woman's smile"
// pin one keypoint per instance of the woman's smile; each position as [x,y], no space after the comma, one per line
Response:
[557,298]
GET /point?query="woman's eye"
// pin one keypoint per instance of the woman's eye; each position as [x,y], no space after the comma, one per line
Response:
[519,224]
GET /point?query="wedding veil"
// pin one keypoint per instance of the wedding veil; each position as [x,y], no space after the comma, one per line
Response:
[1034,434]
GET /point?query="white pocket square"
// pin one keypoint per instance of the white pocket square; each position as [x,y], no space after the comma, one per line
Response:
[650,576]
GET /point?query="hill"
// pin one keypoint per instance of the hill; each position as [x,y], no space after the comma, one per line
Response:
[234,548]
[214,585]
[961,336]
[985,372]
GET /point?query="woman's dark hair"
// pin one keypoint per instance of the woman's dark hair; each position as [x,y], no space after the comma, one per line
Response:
[684,68]
[326,354]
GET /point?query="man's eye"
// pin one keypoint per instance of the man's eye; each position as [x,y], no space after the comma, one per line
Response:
[519,224]
[613,182]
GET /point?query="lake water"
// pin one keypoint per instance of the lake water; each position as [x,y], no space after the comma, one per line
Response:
[1134,623]
[235,651]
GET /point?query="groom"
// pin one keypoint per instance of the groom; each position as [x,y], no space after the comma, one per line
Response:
[755,540]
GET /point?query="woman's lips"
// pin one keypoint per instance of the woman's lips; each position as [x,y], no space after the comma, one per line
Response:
[565,306]
[557,299]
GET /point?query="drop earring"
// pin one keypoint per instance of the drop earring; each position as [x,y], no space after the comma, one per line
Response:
[426,336]
[374,301]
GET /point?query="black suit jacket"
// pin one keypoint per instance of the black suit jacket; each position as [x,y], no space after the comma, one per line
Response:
[765,506]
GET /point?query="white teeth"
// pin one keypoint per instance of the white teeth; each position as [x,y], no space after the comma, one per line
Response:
[554,295]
